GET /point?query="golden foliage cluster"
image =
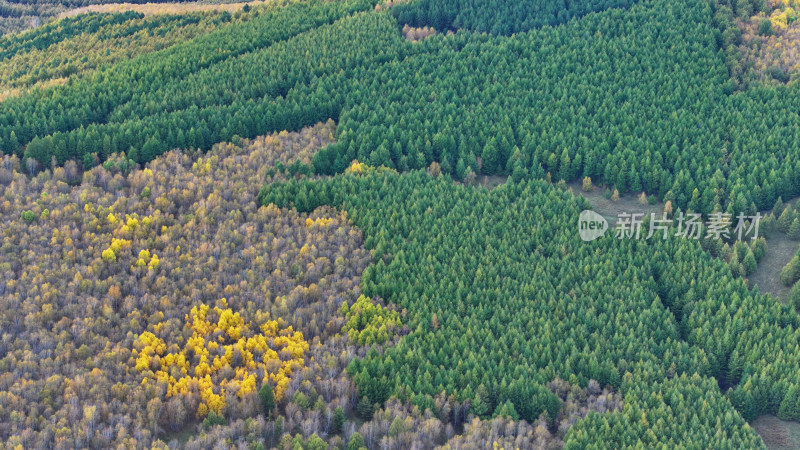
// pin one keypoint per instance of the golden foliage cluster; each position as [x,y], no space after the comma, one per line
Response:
[359,168]
[224,353]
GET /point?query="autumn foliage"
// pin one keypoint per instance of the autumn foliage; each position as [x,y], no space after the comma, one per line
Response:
[224,353]
[118,264]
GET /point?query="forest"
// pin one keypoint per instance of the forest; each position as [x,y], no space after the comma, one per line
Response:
[467,273]
[20,15]
[112,253]
[275,228]
[52,55]
[657,103]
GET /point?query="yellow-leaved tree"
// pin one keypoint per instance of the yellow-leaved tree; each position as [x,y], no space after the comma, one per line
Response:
[224,354]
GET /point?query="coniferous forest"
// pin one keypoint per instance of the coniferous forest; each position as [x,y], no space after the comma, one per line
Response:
[312,224]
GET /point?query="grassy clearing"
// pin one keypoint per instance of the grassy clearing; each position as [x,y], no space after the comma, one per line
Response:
[777,434]
[780,249]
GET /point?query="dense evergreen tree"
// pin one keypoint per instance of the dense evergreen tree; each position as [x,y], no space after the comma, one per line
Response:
[627,313]
[499,17]
[547,92]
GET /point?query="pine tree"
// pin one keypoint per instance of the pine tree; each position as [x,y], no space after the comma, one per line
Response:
[537,171]
[479,406]
[461,170]
[794,230]
[785,220]
[214,419]
[396,427]
[635,181]
[89,161]
[519,172]
[587,184]
[565,167]
[381,157]
[267,399]
[13,144]
[694,203]
[106,150]
[789,406]
[356,442]
[759,248]
[516,156]
[749,263]
[777,210]
[794,296]
[489,157]
[790,272]
[470,177]
[506,410]
[365,408]
[338,420]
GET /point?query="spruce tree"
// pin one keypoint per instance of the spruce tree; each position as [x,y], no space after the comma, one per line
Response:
[794,230]
[785,220]
[790,272]
[749,263]
[365,408]
[338,420]
[506,410]
[489,157]
[356,442]
[794,296]
[788,409]
[267,399]
[778,208]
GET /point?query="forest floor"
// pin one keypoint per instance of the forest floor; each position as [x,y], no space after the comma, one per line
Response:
[611,210]
[492,181]
[181,436]
[776,433]
[780,249]
[157,8]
